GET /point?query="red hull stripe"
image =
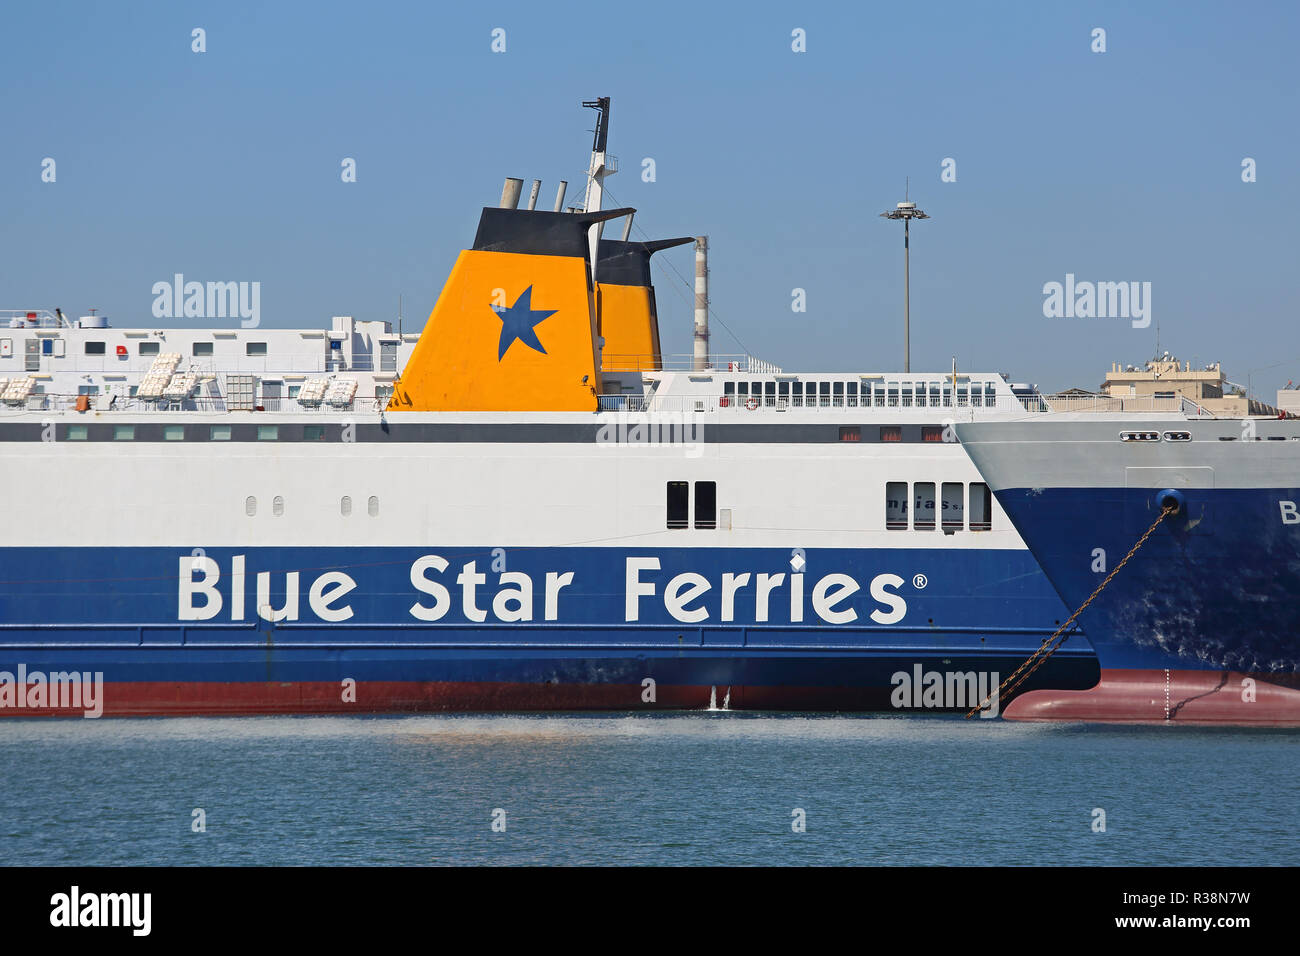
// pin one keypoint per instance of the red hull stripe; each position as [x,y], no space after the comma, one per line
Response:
[1122,696]
[203,698]
[1160,696]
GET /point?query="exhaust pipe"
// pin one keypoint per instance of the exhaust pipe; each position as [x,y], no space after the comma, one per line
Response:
[510,193]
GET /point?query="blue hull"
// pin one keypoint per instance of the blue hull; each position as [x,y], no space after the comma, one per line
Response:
[191,640]
[1214,588]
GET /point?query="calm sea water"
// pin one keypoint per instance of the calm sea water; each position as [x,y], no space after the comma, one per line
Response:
[685,789]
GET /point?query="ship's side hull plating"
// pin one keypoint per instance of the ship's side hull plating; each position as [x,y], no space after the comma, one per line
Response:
[379,630]
[1200,625]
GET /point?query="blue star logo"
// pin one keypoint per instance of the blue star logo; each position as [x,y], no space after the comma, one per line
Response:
[519,321]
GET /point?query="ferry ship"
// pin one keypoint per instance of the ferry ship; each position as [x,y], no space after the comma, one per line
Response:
[524,506]
[1200,625]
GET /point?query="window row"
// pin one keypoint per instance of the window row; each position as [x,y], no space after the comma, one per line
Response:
[799,394]
[198,349]
[345,506]
[949,509]
[706,504]
[892,433]
[215,432]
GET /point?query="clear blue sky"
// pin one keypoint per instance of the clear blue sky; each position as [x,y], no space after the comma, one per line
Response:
[1124,165]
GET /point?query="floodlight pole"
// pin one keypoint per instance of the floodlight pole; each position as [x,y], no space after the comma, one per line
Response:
[906,211]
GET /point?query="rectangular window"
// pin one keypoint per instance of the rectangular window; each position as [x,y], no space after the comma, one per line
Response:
[728,394]
[981,507]
[76,433]
[891,432]
[923,506]
[149,348]
[769,394]
[173,432]
[313,432]
[796,394]
[838,393]
[824,394]
[220,433]
[853,394]
[202,348]
[268,432]
[1163,395]
[706,504]
[850,433]
[931,433]
[896,506]
[94,348]
[934,396]
[742,390]
[678,502]
[783,391]
[952,517]
[255,348]
[295,389]
[123,433]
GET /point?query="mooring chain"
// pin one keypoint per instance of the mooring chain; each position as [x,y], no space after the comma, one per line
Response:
[1048,648]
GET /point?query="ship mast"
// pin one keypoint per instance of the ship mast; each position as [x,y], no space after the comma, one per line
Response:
[601,166]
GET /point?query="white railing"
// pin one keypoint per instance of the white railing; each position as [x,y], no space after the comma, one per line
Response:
[1112,403]
[44,318]
[198,403]
[733,404]
[685,362]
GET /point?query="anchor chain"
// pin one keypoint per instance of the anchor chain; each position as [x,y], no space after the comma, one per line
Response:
[1040,656]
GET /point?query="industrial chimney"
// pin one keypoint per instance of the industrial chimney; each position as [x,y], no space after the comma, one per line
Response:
[701,303]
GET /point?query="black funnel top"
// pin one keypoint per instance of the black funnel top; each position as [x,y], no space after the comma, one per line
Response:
[628,263]
[536,233]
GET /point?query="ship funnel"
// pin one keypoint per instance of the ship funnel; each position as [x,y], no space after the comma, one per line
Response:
[629,318]
[510,193]
[559,195]
[532,194]
[514,328]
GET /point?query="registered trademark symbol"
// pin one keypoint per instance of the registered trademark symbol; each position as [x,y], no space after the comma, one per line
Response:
[919,581]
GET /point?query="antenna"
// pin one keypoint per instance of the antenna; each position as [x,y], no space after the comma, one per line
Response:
[602,165]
